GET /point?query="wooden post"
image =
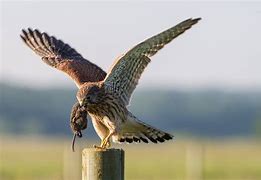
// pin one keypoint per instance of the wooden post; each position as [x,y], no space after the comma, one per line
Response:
[105,164]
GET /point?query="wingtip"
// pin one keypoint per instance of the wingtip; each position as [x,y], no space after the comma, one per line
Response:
[45,35]
[22,37]
[24,32]
[191,21]
[37,32]
[195,20]
[30,30]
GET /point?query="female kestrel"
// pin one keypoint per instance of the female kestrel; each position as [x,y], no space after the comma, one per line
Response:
[105,97]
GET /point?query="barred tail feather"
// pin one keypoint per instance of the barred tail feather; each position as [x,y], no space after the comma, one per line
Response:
[137,131]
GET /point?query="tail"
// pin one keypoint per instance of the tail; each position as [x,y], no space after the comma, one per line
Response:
[134,130]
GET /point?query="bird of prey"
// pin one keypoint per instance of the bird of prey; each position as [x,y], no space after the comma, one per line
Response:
[105,97]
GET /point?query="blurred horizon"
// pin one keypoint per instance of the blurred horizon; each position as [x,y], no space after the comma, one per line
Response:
[205,112]
[139,87]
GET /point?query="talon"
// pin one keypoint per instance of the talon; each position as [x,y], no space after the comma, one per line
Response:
[108,144]
[98,147]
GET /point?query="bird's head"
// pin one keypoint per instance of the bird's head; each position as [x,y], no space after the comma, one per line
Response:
[89,95]
[78,121]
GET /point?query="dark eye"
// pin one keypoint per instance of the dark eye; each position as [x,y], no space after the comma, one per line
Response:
[88,97]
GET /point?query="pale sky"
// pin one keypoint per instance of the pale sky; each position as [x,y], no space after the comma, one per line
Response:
[222,50]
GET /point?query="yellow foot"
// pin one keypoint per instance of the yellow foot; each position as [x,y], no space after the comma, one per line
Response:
[108,145]
[99,147]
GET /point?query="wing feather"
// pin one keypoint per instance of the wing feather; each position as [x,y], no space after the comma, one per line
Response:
[60,55]
[124,75]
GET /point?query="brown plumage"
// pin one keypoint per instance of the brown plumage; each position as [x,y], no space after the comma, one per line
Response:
[106,98]
[61,56]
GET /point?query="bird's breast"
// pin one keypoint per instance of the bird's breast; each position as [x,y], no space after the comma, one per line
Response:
[109,108]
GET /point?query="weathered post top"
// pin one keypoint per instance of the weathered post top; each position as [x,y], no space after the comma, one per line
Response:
[99,164]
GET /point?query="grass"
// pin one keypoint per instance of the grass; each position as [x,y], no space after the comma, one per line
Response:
[39,158]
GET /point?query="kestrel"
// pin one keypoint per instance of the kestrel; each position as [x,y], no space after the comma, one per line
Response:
[106,97]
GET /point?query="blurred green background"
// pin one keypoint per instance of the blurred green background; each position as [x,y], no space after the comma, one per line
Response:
[217,135]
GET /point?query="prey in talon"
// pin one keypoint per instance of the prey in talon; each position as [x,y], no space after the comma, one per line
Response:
[78,121]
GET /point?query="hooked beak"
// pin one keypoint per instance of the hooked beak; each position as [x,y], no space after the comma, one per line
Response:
[80,102]
[83,106]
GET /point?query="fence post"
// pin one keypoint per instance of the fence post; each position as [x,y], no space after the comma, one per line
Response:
[100,164]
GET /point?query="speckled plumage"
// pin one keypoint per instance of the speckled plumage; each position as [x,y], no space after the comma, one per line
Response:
[105,97]
[127,70]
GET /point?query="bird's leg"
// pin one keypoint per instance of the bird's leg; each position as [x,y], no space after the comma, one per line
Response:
[99,147]
[105,143]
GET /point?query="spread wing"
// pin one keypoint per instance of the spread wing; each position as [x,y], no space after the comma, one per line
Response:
[124,75]
[60,55]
